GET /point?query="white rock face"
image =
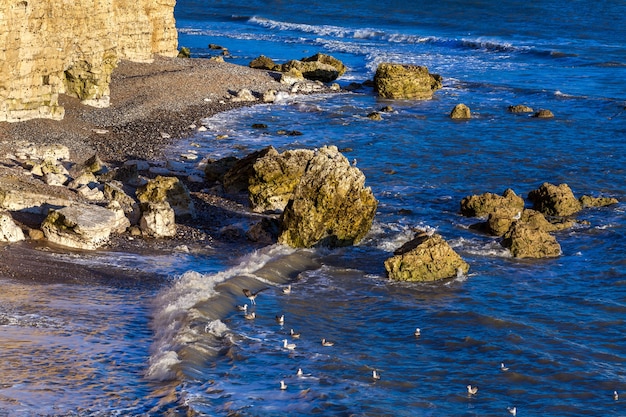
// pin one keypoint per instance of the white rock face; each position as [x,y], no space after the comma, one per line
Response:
[80,226]
[157,220]
[9,231]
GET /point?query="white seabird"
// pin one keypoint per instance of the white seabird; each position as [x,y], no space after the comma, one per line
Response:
[289,346]
[615,395]
[327,343]
[503,368]
[243,308]
[375,375]
[294,334]
[280,319]
[250,316]
[418,332]
[472,390]
[287,289]
[252,295]
[283,386]
[299,373]
[512,410]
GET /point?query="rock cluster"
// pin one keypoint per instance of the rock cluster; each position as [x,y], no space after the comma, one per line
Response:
[527,232]
[76,59]
[398,81]
[319,67]
[321,197]
[88,202]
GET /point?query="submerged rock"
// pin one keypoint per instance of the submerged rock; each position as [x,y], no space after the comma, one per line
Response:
[330,205]
[553,200]
[461,111]
[399,81]
[425,258]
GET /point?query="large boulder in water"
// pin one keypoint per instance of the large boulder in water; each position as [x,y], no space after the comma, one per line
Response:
[397,81]
[526,240]
[330,205]
[483,204]
[555,200]
[314,70]
[425,258]
[237,178]
[275,178]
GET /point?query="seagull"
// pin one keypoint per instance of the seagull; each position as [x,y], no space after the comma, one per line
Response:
[375,375]
[287,289]
[283,386]
[517,216]
[280,319]
[418,332]
[327,343]
[299,373]
[471,390]
[250,316]
[252,295]
[289,346]
[243,308]
[512,410]
[503,368]
[294,334]
[615,395]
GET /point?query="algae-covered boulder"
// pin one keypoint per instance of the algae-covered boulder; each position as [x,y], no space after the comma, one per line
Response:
[276,177]
[263,62]
[525,240]
[328,60]
[170,190]
[588,201]
[312,70]
[483,204]
[553,200]
[425,258]
[237,178]
[330,205]
[80,226]
[397,81]
[461,111]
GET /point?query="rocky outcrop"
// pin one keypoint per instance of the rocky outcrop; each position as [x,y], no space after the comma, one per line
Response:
[80,226]
[483,204]
[275,178]
[319,67]
[553,200]
[461,111]
[525,240]
[397,81]
[588,201]
[170,190]
[237,178]
[425,258]
[330,205]
[9,231]
[51,48]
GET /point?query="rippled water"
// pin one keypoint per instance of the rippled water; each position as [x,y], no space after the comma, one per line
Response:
[180,345]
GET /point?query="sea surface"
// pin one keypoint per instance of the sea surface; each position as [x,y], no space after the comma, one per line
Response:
[181,346]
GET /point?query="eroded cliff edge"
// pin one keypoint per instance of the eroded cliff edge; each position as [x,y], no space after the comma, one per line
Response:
[71,47]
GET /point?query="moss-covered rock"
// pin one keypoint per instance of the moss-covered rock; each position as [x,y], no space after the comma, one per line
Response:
[555,200]
[525,240]
[397,81]
[483,204]
[425,258]
[170,190]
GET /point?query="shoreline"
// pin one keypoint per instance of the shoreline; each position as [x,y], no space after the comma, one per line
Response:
[152,106]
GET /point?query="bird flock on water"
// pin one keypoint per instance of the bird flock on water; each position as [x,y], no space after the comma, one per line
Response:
[472,390]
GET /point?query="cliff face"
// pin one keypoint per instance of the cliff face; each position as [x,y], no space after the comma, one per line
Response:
[71,47]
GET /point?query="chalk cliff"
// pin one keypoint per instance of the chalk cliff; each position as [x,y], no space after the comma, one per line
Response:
[71,46]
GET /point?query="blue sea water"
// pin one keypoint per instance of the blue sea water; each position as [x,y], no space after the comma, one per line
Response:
[557,324]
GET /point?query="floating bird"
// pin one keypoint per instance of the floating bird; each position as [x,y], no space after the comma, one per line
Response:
[243,308]
[375,375]
[327,343]
[512,410]
[283,386]
[250,316]
[252,295]
[280,319]
[615,395]
[503,368]
[289,346]
[472,390]
[418,332]
[299,373]
[294,334]
[287,289]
